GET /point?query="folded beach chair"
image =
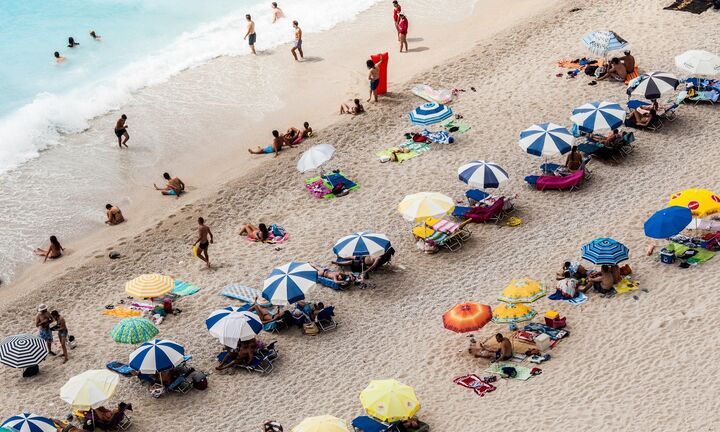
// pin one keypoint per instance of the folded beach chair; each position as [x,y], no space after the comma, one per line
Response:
[487,214]
[181,385]
[120,368]
[369,424]
[325,319]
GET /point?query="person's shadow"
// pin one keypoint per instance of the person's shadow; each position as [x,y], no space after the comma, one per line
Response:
[415,39]
[311,59]
[418,49]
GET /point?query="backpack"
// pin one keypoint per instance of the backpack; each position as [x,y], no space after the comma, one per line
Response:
[31,371]
[199,380]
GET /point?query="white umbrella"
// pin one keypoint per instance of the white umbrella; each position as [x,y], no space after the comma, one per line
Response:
[699,62]
[315,156]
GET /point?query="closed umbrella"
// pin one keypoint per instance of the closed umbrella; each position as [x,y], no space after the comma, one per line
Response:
[667,222]
[467,317]
[598,116]
[364,243]
[423,205]
[654,85]
[605,250]
[430,113]
[149,285]
[288,284]
[315,156]
[601,43]
[701,202]
[389,400]
[699,62]
[511,313]
[90,389]
[134,331]
[27,422]
[546,139]
[156,356]
[325,423]
[523,290]
[482,174]
[23,350]
[231,325]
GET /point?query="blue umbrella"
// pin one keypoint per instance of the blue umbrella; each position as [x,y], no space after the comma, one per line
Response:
[364,243]
[605,250]
[430,113]
[546,139]
[27,422]
[482,174]
[157,355]
[668,222]
[598,116]
[602,42]
[288,284]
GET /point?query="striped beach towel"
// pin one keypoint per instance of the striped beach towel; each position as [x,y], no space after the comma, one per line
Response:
[245,294]
[446,226]
[184,288]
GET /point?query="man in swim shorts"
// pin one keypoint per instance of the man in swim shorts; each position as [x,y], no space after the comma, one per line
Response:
[250,35]
[114,215]
[174,186]
[297,46]
[62,330]
[373,77]
[275,147]
[42,322]
[202,242]
[121,131]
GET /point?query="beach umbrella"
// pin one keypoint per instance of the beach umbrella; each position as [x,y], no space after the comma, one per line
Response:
[315,156]
[482,174]
[546,139]
[157,355]
[288,283]
[389,400]
[510,313]
[363,243]
[601,43]
[27,422]
[598,116]
[423,205]
[149,285]
[134,331]
[467,317]
[701,202]
[232,324]
[325,423]
[23,350]
[668,222]
[523,290]
[430,113]
[90,389]
[699,62]
[654,85]
[605,250]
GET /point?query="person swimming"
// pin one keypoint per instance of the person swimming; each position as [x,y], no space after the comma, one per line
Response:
[94,35]
[72,43]
[58,57]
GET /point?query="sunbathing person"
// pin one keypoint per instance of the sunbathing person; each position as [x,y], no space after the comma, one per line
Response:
[259,233]
[505,352]
[574,159]
[275,147]
[263,314]
[229,360]
[602,282]
[291,137]
[642,118]
[104,418]
[174,186]
[307,132]
[609,140]
[337,276]
[364,265]
[616,71]
[54,251]
[308,309]
[353,107]
[575,268]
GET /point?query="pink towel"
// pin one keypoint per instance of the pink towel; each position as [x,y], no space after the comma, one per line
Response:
[446,226]
[317,189]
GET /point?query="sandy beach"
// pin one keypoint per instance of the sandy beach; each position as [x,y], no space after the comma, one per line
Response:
[639,362]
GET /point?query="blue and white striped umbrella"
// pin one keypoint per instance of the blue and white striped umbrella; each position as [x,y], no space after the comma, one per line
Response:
[157,355]
[598,116]
[233,324]
[364,243]
[430,113]
[27,422]
[288,284]
[546,139]
[601,43]
[605,250]
[482,174]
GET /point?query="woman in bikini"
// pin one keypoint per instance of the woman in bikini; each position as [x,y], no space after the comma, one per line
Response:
[264,315]
[53,252]
[259,233]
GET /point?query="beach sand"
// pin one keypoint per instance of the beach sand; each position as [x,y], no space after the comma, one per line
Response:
[630,363]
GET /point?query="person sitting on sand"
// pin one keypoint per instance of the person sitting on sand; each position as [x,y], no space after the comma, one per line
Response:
[53,252]
[95,36]
[291,137]
[275,147]
[568,285]
[259,233]
[642,117]
[573,160]
[616,71]
[602,282]
[58,57]
[504,352]
[628,61]
[174,186]
[307,131]
[114,215]
[575,268]
[355,109]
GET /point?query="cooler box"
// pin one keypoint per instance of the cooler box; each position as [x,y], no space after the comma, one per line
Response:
[667,257]
[556,323]
[543,342]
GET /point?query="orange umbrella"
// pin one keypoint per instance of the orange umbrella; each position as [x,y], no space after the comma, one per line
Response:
[467,317]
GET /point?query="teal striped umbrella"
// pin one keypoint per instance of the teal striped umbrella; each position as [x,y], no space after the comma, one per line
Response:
[134,331]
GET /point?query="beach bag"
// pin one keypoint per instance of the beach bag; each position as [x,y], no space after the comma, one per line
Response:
[509,371]
[590,70]
[602,70]
[31,371]
[277,230]
[199,380]
[310,329]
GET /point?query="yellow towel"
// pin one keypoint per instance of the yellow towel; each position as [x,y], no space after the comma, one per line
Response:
[423,232]
[122,312]
[431,221]
[626,285]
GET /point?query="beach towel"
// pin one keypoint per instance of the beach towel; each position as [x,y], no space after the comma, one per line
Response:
[184,288]
[441,137]
[122,312]
[336,178]
[577,300]
[701,256]
[317,188]
[120,368]
[523,373]
[142,306]
[445,226]
[474,382]
[462,127]
[441,96]
[554,334]
[387,155]
[635,73]
[245,294]
[626,285]
[692,6]
[417,147]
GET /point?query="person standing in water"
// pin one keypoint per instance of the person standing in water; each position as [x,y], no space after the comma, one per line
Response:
[58,57]
[121,131]
[202,242]
[374,78]
[72,43]
[250,35]
[402,28]
[298,42]
[62,330]
[277,12]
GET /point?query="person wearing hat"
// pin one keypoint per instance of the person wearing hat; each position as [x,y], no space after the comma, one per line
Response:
[42,322]
[629,61]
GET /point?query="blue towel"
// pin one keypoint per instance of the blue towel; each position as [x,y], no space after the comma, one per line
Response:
[577,300]
[549,167]
[369,424]
[335,178]
[459,212]
[329,283]
[532,179]
[120,368]
[476,195]
[588,148]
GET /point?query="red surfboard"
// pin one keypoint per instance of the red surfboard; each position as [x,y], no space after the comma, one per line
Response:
[382,87]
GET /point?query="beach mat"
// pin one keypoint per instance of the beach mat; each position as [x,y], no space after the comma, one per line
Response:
[523,373]
[122,312]
[244,294]
[577,300]
[386,155]
[692,6]
[184,288]
[474,382]
[626,285]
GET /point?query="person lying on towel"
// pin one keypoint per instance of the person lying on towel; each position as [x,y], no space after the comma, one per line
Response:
[505,352]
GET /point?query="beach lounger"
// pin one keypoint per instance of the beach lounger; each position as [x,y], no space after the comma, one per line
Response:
[441,239]
[262,361]
[570,182]
[487,214]
[476,195]
[369,424]
[330,283]
[325,319]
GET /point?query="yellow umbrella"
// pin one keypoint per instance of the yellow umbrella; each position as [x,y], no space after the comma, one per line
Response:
[523,290]
[701,202]
[90,389]
[423,205]
[325,423]
[389,400]
[149,285]
[512,313]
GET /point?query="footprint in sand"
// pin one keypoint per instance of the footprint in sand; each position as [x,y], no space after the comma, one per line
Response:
[99,256]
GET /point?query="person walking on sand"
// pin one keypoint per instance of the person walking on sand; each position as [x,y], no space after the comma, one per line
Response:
[202,242]
[42,322]
[121,131]
[373,77]
[250,35]
[402,28]
[298,42]
[174,186]
[277,12]
[62,330]
[396,12]
[114,215]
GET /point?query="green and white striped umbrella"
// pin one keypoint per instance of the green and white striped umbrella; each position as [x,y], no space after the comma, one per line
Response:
[134,331]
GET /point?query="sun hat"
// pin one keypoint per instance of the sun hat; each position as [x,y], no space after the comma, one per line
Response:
[42,308]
